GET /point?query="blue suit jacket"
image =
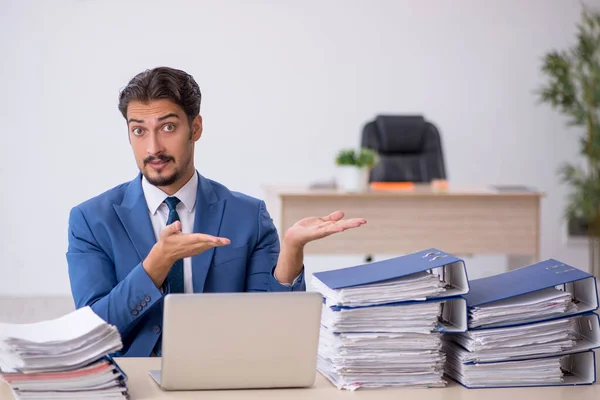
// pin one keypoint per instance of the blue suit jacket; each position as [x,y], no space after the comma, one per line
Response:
[111,234]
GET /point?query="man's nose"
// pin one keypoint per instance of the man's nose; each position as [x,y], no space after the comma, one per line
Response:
[154,144]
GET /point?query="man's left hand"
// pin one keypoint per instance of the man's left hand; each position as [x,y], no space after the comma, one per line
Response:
[312,228]
[290,262]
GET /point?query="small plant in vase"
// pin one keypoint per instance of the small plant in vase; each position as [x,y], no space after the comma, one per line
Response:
[353,168]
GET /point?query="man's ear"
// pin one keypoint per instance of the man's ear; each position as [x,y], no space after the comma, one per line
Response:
[196,128]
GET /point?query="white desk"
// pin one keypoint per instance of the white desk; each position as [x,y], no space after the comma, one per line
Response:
[141,386]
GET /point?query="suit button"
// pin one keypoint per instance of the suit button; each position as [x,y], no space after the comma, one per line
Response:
[143,303]
[147,299]
[134,312]
[156,329]
[139,308]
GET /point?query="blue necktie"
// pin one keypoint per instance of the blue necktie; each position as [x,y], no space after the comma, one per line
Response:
[175,276]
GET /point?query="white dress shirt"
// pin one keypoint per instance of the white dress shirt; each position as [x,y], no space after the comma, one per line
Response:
[159,214]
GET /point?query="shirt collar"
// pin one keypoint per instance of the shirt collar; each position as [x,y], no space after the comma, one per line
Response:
[155,197]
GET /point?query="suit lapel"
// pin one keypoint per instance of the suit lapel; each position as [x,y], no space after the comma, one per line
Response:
[133,213]
[207,220]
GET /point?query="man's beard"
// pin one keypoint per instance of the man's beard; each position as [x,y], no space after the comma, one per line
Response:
[162,180]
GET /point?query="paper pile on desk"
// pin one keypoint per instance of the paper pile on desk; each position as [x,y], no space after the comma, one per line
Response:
[532,326]
[66,358]
[519,341]
[546,303]
[380,333]
[394,347]
[533,354]
[516,373]
[418,286]
[407,318]
[381,321]
[354,360]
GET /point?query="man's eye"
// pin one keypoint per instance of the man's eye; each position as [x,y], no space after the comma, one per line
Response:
[137,131]
[169,128]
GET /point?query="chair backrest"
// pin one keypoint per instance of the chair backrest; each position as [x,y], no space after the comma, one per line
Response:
[409,149]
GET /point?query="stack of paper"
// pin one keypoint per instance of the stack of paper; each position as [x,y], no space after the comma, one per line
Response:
[546,303]
[554,370]
[516,373]
[529,327]
[564,335]
[66,358]
[418,286]
[417,318]
[353,360]
[381,321]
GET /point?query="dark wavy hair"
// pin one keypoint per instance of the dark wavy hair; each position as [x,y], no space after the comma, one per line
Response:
[163,83]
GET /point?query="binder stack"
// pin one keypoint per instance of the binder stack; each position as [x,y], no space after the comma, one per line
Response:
[65,358]
[533,326]
[382,322]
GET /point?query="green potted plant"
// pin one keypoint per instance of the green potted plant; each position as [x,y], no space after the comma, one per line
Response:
[573,88]
[353,168]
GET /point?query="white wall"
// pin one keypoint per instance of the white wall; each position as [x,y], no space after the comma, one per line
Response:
[285,85]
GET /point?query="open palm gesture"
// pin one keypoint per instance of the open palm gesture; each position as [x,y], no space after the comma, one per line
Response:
[313,228]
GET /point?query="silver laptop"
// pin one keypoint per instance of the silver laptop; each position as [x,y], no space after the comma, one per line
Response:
[239,340]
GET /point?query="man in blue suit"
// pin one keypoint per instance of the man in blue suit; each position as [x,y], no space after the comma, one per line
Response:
[171,230]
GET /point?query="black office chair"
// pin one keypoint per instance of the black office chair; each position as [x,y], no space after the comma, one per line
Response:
[409,149]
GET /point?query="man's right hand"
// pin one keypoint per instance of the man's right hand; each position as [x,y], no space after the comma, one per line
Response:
[174,245]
